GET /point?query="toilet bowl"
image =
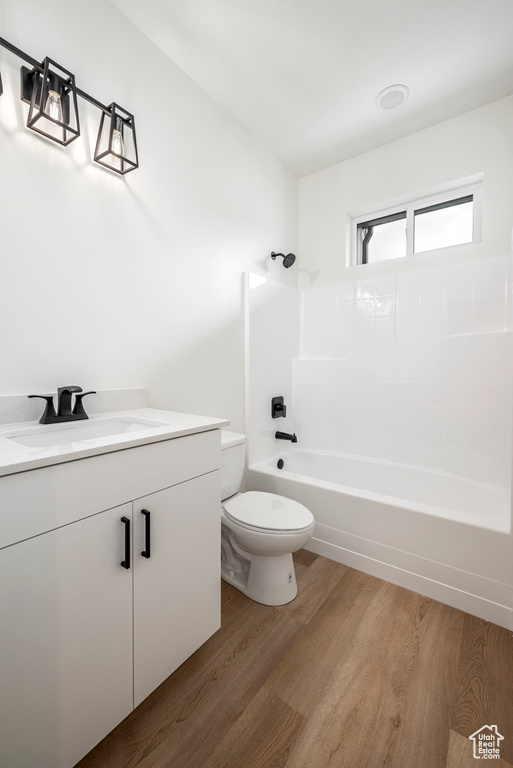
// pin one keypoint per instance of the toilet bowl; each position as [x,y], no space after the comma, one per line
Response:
[259,532]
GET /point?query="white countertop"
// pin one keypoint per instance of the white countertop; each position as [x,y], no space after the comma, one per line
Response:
[15,457]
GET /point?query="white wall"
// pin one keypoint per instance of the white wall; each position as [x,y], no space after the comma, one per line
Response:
[113,282]
[477,142]
[272,344]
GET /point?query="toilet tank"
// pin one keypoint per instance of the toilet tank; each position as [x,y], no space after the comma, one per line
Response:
[232,462]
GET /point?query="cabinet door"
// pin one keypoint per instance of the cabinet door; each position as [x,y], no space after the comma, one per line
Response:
[65,642]
[176,590]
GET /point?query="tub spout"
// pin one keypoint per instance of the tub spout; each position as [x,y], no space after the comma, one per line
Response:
[286,436]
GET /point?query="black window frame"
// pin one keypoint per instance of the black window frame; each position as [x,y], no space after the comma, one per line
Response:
[363,227]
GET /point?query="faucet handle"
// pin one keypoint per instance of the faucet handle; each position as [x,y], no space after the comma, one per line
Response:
[78,410]
[278,407]
[49,414]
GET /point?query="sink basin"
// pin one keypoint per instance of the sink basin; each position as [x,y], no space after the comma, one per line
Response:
[46,436]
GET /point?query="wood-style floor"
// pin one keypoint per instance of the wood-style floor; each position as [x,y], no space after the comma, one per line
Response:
[354,673]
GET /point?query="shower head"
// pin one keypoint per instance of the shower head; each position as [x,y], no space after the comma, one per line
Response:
[288,260]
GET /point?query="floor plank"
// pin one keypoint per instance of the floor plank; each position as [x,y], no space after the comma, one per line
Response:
[354,673]
[307,668]
[485,682]
[372,710]
[461,754]
[262,735]
[304,557]
[315,583]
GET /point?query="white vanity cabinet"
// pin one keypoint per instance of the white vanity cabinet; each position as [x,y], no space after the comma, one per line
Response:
[182,571]
[66,646]
[83,640]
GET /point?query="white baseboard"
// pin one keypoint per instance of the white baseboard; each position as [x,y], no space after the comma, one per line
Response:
[415,580]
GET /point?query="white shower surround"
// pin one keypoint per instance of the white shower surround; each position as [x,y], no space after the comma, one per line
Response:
[414,368]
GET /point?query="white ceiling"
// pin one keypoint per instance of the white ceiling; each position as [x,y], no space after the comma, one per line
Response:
[303,75]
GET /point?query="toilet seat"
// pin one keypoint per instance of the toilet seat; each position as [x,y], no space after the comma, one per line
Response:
[268,511]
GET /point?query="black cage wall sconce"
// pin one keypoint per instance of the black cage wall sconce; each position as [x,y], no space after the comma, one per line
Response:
[51,92]
[52,95]
[116,146]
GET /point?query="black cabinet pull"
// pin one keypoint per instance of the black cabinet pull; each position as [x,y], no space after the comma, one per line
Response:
[126,562]
[147,546]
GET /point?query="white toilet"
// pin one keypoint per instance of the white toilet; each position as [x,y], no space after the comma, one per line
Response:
[259,532]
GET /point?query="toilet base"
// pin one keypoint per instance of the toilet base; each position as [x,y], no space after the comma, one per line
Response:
[267,580]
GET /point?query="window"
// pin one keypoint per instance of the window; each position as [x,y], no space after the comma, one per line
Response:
[383,238]
[443,225]
[417,226]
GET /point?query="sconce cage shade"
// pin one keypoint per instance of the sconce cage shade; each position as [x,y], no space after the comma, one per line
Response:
[116,146]
[52,95]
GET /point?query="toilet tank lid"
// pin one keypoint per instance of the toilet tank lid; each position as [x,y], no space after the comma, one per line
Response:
[228,438]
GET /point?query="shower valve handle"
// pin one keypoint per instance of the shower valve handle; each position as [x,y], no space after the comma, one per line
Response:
[278,407]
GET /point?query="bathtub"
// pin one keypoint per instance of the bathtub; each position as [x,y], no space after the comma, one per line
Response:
[434,533]
[399,485]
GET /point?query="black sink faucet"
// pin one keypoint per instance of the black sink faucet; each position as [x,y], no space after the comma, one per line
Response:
[64,400]
[286,436]
[64,410]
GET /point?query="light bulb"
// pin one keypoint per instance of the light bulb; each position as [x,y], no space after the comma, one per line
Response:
[117,143]
[53,107]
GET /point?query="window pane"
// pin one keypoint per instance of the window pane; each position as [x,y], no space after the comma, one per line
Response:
[440,227]
[388,241]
